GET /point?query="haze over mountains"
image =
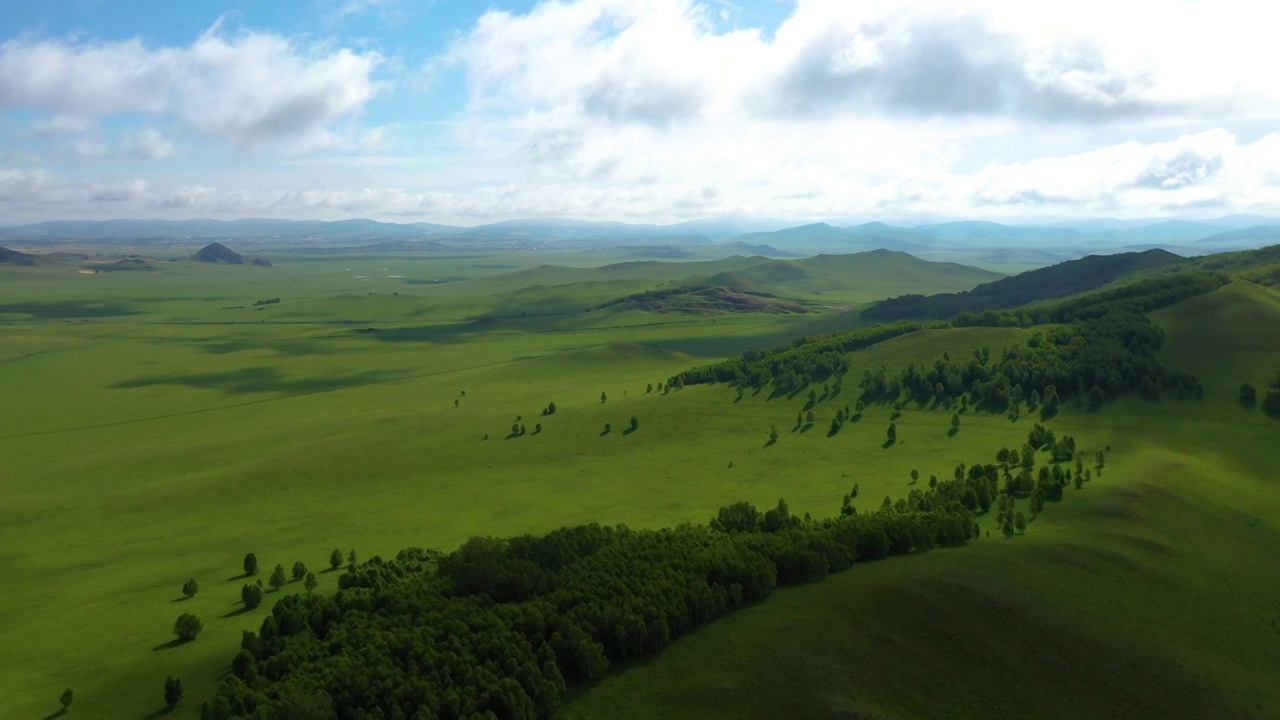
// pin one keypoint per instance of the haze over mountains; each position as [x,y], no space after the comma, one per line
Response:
[1059,240]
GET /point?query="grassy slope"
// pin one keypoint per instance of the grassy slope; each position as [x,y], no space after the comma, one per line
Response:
[1148,594]
[151,436]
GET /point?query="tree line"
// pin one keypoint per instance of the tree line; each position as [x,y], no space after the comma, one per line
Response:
[1098,347]
[505,627]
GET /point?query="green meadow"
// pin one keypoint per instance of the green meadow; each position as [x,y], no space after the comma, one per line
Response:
[159,425]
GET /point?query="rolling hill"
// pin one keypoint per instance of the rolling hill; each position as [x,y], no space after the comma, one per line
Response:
[1055,281]
[13,257]
[827,279]
[1098,611]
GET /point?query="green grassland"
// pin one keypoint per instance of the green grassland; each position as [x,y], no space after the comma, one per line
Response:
[1150,593]
[158,426]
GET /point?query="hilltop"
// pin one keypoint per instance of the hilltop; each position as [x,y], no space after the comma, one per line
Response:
[219,253]
[13,257]
[1055,281]
[856,277]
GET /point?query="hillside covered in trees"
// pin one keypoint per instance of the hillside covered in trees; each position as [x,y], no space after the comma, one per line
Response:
[504,628]
[1056,281]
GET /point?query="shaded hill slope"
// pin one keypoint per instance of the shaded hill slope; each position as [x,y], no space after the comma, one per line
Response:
[1055,281]
[218,253]
[13,257]
[841,278]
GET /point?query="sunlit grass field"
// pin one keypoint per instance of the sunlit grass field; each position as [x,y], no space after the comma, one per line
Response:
[158,426]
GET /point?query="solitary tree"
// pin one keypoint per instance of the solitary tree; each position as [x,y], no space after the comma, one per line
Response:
[187,627]
[299,571]
[799,419]
[67,696]
[603,396]
[537,428]
[1020,522]
[915,474]
[955,420]
[172,692]
[311,582]
[648,388]
[810,417]
[608,428]
[635,423]
[892,433]
[551,408]
[1007,527]
[1248,395]
[773,433]
[190,588]
[250,564]
[1271,404]
[278,578]
[335,559]
[351,559]
[251,596]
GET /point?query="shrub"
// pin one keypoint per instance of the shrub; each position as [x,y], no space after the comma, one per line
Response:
[187,627]
[172,692]
[251,596]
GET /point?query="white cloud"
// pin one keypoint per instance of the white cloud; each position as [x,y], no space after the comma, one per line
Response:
[1204,173]
[661,110]
[252,89]
[665,60]
[147,144]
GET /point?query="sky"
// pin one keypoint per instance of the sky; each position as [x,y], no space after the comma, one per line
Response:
[461,112]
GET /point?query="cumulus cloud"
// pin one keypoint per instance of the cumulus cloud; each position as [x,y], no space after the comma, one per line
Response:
[660,61]
[252,89]
[662,110]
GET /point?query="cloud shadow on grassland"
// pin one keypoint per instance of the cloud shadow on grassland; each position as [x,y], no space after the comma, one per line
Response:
[68,309]
[261,379]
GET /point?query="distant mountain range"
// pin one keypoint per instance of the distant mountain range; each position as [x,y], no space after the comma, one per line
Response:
[781,237]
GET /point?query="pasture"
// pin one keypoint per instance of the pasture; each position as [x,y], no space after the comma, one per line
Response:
[160,425]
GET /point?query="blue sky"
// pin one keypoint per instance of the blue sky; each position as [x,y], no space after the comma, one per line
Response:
[638,110]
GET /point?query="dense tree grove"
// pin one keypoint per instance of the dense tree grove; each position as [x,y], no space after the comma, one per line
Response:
[502,628]
[1099,346]
[802,361]
[1093,359]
